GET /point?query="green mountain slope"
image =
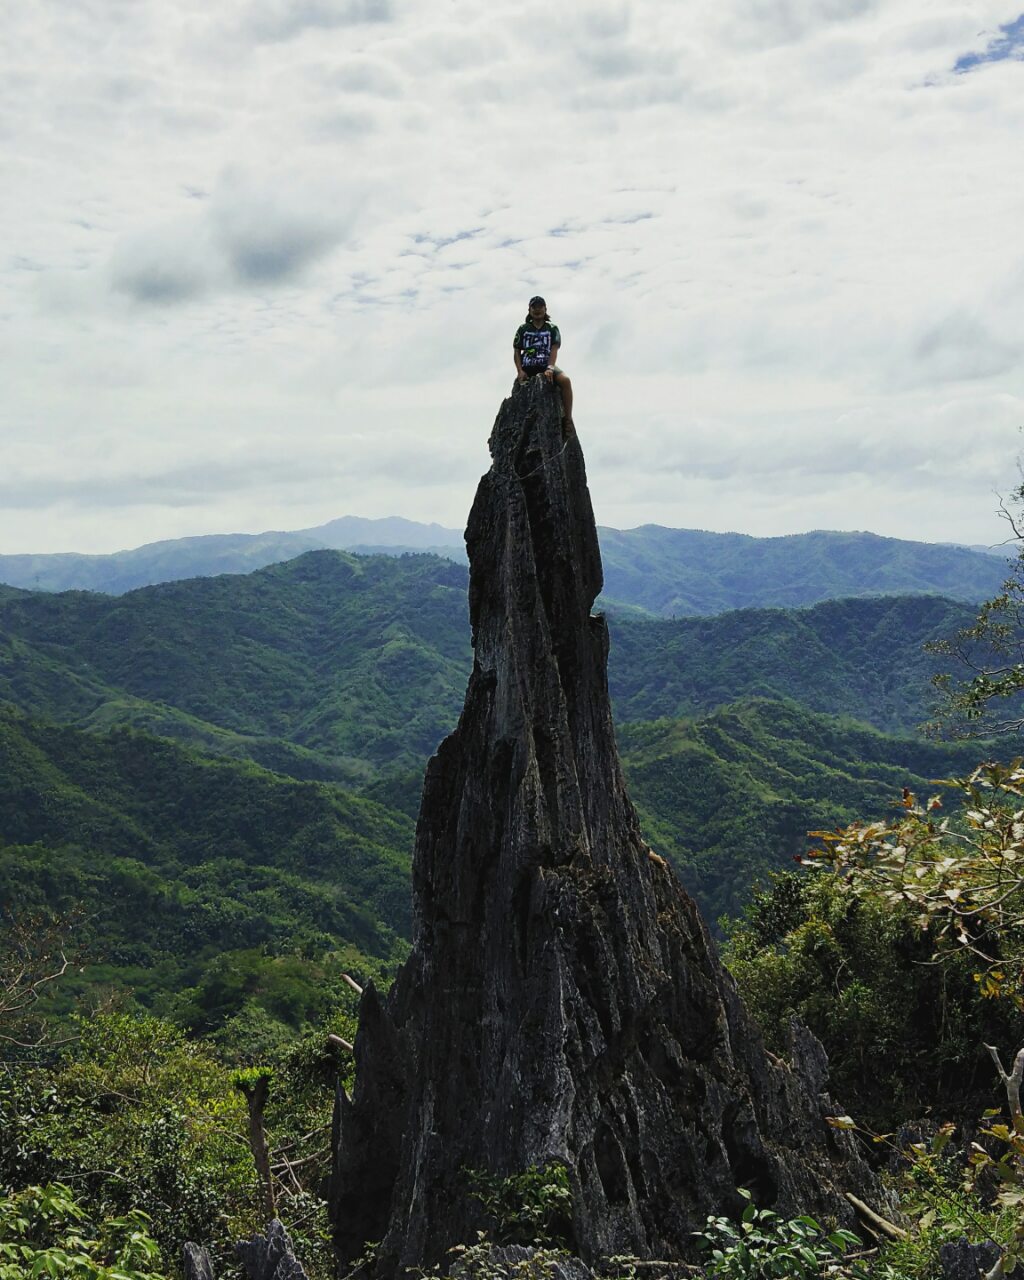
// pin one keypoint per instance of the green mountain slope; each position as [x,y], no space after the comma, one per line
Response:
[180,861]
[730,797]
[210,884]
[354,663]
[861,658]
[340,667]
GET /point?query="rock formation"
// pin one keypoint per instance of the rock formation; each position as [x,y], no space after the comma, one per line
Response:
[270,1256]
[563,1001]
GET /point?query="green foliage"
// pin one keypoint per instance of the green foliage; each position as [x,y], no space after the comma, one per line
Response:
[902,1037]
[532,1207]
[964,879]
[762,1245]
[46,1234]
[247,1078]
[477,1262]
[137,1115]
[985,693]
[947,1195]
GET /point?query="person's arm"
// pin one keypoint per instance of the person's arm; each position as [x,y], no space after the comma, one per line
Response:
[556,343]
[517,355]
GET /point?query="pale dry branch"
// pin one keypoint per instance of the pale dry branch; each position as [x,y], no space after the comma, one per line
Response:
[1011,1083]
[874,1219]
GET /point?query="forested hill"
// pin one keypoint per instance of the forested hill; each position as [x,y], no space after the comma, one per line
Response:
[859,658]
[353,663]
[336,666]
[664,572]
[208,886]
[210,880]
[731,796]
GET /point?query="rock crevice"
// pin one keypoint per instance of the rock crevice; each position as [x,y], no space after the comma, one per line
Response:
[563,1001]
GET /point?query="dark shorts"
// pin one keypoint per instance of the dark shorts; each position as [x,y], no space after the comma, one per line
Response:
[541,368]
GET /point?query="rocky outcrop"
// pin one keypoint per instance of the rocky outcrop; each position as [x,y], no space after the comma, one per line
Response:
[195,1262]
[271,1256]
[563,1001]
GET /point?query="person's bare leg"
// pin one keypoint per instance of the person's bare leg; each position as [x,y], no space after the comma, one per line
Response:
[565,386]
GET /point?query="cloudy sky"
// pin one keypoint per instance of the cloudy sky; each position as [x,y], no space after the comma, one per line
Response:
[261,261]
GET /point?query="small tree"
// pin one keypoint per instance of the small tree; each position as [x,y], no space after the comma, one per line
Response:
[963,878]
[34,954]
[254,1085]
[989,700]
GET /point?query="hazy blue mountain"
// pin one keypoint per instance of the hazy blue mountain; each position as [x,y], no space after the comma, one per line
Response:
[686,572]
[657,571]
[212,554]
[349,532]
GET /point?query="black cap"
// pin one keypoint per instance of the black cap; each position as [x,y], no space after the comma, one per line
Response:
[537,299]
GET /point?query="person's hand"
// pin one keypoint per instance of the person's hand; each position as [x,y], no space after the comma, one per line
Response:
[549,374]
[521,377]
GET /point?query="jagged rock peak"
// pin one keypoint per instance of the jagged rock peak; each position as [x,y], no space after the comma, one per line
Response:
[563,1001]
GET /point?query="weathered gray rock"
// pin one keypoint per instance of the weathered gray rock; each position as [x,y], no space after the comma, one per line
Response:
[961,1260]
[270,1257]
[563,1001]
[195,1262]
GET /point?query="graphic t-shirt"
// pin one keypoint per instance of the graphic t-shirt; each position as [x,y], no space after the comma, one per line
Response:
[536,344]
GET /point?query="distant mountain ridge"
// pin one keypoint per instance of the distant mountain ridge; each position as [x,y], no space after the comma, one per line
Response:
[688,572]
[207,555]
[659,571]
[341,667]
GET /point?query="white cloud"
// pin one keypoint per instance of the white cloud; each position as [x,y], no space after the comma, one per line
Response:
[271,259]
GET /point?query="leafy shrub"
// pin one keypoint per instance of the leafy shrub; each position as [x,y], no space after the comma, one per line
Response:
[763,1245]
[902,1036]
[46,1233]
[532,1207]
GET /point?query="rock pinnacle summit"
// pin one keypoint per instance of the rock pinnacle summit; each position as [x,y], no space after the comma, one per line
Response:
[563,1001]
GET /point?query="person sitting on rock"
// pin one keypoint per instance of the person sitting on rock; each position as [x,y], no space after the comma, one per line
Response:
[535,349]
